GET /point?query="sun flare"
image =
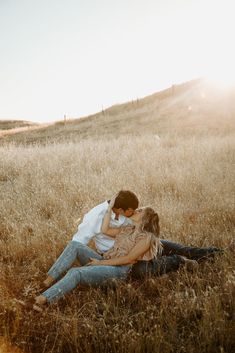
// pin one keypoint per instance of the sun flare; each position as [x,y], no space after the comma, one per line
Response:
[223,80]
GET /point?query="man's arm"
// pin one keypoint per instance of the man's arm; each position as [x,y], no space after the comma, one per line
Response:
[85,232]
[90,225]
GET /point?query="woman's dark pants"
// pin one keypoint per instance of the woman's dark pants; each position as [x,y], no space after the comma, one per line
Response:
[171,259]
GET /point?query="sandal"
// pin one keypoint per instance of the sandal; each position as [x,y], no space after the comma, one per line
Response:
[29,305]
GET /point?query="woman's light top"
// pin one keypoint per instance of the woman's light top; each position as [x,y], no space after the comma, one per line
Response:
[124,243]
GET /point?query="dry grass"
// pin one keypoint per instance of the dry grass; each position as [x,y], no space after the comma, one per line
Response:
[8,131]
[12,124]
[45,189]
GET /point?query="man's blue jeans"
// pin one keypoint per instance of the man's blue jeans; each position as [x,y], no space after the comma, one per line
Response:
[85,275]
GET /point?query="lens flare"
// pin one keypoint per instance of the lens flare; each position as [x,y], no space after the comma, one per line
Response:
[223,80]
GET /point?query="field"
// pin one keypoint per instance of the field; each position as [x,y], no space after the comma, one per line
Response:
[50,178]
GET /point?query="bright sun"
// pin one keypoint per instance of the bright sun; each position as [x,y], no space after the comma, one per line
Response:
[222,79]
[220,64]
[214,38]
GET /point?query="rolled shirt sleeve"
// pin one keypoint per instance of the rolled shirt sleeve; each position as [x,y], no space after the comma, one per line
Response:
[89,227]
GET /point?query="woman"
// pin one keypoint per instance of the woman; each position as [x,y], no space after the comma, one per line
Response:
[140,243]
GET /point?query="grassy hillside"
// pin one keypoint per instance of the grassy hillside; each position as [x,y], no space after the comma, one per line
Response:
[187,176]
[12,124]
[193,108]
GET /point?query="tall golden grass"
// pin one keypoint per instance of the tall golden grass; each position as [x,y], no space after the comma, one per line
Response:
[45,189]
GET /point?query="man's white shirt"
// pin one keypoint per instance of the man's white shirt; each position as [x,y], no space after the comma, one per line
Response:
[90,228]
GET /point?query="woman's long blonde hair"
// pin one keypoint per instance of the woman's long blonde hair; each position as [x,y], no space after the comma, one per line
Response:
[150,222]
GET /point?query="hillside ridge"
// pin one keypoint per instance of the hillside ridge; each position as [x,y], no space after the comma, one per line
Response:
[189,108]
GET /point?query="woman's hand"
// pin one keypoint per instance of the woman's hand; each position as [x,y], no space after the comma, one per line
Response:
[94,262]
[122,260]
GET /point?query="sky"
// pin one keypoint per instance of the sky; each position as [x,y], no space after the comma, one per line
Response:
[77,57]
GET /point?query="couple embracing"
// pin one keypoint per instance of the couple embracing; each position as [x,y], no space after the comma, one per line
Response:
[127,244]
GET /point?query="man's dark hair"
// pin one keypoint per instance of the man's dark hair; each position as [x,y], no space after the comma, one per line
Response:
[126,199]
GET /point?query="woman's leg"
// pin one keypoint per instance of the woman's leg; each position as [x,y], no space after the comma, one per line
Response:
[156,267]
[191,252]
[86,275]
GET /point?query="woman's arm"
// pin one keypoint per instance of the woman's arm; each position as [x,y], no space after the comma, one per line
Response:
[139,249]
[105,228]
[105,225]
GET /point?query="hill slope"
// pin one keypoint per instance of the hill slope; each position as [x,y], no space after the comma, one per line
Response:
[12,124]
[191,108]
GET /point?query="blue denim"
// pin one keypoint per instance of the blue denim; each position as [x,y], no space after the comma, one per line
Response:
[93,276]
[73,251]
[86,275]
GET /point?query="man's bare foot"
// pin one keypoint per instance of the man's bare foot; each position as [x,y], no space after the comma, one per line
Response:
[40,300]
[48,281]
[190,265]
